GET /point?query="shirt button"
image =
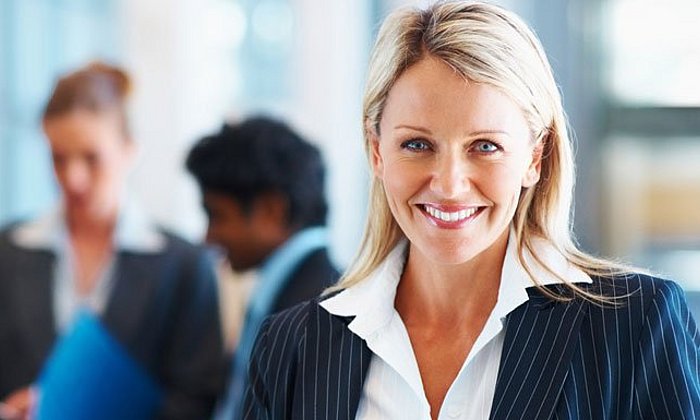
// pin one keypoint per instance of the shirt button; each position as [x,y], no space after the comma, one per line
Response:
[454,411]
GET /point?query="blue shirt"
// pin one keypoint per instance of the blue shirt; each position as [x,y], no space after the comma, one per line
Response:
[273,276]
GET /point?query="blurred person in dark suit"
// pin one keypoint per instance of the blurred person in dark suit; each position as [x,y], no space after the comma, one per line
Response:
[263,193]
[97,251]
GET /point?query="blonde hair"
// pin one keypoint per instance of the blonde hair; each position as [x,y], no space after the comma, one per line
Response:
[485,44]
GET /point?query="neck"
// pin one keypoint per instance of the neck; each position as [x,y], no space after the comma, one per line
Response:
[436,294]
[91,227]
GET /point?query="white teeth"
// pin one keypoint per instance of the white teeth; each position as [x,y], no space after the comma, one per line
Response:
[450,217]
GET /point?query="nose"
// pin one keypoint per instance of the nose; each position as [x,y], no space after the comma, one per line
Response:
[75,177]
[451,174]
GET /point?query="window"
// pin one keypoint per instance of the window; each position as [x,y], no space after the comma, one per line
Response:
[653,52]
[39,40]
[652,145]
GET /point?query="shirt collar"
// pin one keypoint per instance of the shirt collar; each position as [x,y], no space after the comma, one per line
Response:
[134,231]
[371,301]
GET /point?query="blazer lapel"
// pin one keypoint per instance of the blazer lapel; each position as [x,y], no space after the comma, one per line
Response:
[35,303]
[135,286]
[334,366]
[539,344]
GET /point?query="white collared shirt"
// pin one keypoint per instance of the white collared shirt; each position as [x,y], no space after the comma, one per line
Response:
[134,233]
[393,389]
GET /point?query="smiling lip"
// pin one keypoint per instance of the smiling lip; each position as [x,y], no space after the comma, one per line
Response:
[451,217]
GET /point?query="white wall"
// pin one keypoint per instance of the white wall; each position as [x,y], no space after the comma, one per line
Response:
[331,58]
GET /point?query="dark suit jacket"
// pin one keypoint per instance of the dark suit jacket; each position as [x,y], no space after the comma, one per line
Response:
[163,308]
[561,360]
[307,280]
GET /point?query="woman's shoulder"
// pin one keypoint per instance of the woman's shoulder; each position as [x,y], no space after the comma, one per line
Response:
[632,285]
[10,251]
[6,232]
[289,329]
[292,321]
[33,234]
[637,295]
[278,344]
[183,251]
[175,243]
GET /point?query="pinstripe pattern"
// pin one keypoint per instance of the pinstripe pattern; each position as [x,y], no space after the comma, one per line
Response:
[654,340]
[572,360]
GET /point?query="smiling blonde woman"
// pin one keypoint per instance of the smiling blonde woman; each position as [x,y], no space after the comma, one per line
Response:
[468,298]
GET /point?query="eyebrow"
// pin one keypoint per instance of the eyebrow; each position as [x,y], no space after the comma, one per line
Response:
[413,127]
[472,134]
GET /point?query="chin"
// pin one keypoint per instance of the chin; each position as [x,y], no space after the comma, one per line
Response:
[455,250]
[80,211]
[239,266]
[234,266]
[449,252]
[454,257]
[91,211]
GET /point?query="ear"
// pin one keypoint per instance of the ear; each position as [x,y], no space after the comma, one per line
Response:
[532,175]
[375,155]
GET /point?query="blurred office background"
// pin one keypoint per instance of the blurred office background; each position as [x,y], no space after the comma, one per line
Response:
[629,71]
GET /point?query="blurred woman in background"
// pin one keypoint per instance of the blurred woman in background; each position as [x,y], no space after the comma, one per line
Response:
[154,292]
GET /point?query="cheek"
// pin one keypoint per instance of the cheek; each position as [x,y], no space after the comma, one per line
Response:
[501,184]
[402,180]
[221,234]
[109,173]
[61,173]
[236,230]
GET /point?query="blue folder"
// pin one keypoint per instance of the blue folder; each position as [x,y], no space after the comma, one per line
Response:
[90,375]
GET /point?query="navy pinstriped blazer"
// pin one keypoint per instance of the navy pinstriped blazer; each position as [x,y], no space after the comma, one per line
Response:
[561,360]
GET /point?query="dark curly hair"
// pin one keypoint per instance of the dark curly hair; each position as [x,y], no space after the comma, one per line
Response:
[263,155]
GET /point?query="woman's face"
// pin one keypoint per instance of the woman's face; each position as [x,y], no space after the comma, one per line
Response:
[453,157]
[91,157]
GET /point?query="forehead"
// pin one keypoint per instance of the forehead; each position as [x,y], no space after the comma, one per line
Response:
[222,203]
[83,128]
[431,92]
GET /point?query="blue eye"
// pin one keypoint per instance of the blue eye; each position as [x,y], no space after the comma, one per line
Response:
[415,145]
[485,147]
